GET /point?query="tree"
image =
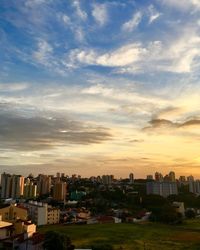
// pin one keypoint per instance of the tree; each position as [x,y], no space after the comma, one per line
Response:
[54,240]
[190,214]
[102,247]
[170,216]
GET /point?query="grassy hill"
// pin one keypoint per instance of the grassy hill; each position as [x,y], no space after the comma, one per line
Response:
[151,236]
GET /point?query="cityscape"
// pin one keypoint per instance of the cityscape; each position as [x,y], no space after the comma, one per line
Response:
[99,124]
[27,203]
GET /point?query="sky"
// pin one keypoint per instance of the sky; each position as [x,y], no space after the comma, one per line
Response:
[95,87]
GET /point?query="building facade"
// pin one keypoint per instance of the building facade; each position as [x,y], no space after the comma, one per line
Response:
[162,188]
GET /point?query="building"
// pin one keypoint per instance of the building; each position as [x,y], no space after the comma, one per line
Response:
[5,186]
[60,191]
[158,176]
[107,179]
[131,178]
[53,215]
[182,179]
[13,212]
[42,214]
[17,184]
[5,229]
[24,227]
[30,190]
[12,186]
[190,178]
[162,188]
[179,206]
[194,187]
[43,184]
[172,176]
[149,177]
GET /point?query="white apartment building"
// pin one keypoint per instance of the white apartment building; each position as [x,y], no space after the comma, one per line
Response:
[42,214]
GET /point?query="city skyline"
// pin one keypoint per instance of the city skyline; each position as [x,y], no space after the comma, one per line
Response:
[99,87]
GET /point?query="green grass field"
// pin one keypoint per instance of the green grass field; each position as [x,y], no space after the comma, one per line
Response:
[133,236]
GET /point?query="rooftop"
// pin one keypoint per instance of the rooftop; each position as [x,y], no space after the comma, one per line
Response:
[4,224]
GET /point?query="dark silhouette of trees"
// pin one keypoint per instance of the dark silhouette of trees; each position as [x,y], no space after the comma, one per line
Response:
[54,240]
[190,214]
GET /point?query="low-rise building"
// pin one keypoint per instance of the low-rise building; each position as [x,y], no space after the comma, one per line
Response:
[179,206]
[24,227]
[42,214]
[13,212]
[5,229]
[53,215]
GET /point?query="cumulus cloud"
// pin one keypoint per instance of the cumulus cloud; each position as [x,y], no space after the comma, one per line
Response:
[133,22]
[100,14]
[19,132]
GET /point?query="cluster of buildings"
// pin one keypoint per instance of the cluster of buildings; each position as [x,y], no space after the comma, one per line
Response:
[168,184]
[17,186]
[22,212]
[17,231]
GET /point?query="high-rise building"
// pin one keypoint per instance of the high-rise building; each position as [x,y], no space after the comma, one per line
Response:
[162,188]
[12,186]
[107,179]
[43,184]
[59,191]
[30,189]
[190,178]
[131,178]
[6,185]
[172,176]
[149,177]
[158,176]
[166,178]
[194,187]
[182,179]
[17,186]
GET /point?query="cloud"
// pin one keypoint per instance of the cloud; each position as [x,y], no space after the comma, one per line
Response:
[183,52]
[12,87]
[192,122]
[80,13]
[43,53]
[65,19]
[133,22]
[179,55]
[153,14]
[123,56]
[183,4]
[166,125]
[75,28]
[19,132]
[100,14]
[35,3]
[161,123]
